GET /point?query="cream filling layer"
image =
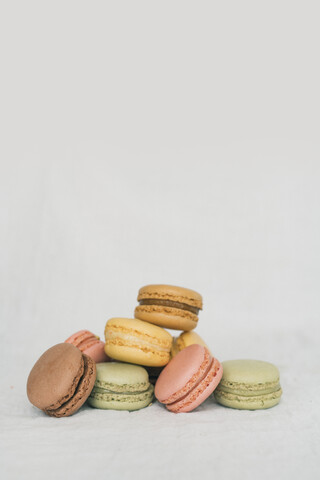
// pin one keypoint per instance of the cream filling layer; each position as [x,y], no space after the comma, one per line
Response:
[124,388]
[248,398]
[134,341]
[248,389]
[128,397]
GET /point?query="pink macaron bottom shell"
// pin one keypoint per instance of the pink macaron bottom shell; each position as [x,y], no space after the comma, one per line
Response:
[200,392]
[97,353]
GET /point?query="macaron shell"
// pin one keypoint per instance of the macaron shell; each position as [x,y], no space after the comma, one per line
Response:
[135,341]
[89,344]
[97,353]
[121,386]
[249,385]
[201,392]
[83,339]
[122,377]
[170,292]
[185,340]
[185,369]
[166,317]
[175,348]
[55,376]
[247,371]
[81,394]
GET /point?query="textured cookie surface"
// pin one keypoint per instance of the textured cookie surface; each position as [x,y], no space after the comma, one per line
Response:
[184,340]
[89,344]
[168,306]
[135,341]
[55,376]
[82,392]
[189,378]
[249,384]
[121,386]
[170,292]
[61,380]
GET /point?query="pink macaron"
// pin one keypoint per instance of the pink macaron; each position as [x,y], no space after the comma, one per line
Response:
[188,379]
[89,344]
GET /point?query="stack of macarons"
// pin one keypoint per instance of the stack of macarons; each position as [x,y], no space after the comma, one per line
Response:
[140,359]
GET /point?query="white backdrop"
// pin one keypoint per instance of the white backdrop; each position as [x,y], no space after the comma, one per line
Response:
[172,142]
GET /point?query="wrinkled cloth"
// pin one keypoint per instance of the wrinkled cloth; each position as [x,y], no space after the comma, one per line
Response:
[211,442]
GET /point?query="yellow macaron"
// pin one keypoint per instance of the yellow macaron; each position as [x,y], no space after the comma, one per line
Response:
[168,306]
[184,340]
[134,341]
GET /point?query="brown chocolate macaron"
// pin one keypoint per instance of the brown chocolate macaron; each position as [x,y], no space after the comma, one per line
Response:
[61,380]
[168,306]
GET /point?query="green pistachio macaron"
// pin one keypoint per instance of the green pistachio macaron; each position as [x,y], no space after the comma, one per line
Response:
[120,386]
[249,385]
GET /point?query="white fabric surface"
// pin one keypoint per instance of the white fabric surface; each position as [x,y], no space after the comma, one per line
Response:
[211,442]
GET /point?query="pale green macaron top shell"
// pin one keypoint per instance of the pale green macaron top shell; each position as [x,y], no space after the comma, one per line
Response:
[249,384]
[121,386]
[122,377]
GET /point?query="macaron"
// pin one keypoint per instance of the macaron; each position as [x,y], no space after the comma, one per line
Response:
[89,344]
[121,386]
[249,385]
[134,341]
[184,340]
[61,380]
[188,379]
[167,306]
[154,373]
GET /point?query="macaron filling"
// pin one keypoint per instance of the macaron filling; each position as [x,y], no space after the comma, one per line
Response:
[126,337]
[249,390]
[121,388]
[261,397]
[169,303]
[115,395]
[108,399]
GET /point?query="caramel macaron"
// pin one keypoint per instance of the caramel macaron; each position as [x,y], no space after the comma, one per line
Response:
[167,306]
